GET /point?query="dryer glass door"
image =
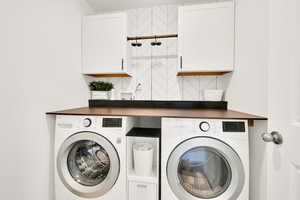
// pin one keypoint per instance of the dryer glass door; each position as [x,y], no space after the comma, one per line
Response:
[205,168]
[204,172]
[88,164]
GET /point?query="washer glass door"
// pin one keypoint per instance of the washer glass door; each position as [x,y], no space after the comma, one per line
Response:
[205,168]
[88,164]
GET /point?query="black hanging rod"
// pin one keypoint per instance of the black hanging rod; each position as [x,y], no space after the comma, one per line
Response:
[152,37]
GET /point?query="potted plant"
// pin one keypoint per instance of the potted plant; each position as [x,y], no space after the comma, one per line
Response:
[100,89]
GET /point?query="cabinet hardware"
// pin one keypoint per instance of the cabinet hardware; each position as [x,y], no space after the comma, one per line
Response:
[141,186]
[149,37]
[122,64]
[180,62]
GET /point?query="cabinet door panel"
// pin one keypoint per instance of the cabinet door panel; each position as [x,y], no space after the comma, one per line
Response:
[206,37]
[104,43]
[139,190]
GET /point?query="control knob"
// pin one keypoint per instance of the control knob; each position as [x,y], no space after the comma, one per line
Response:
[204,126]
[87,122]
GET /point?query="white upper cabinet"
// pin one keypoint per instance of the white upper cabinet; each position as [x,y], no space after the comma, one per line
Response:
[206,37]
[104,44]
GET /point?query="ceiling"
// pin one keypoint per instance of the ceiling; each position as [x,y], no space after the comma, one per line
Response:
[115,5]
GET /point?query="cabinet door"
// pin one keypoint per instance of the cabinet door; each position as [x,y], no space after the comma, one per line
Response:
[104,44]
[139,190]
[206,37]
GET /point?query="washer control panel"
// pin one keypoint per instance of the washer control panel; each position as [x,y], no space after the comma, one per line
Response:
[104,122]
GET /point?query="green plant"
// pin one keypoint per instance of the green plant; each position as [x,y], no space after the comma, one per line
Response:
[100,86]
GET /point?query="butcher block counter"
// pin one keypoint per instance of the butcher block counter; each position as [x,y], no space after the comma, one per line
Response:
[159,112]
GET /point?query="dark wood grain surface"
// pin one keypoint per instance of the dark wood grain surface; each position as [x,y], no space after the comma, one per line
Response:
[159,112]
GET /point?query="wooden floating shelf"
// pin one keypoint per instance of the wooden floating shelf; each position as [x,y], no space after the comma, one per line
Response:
[201,73]
[178,74]
[108,75]
[152,37]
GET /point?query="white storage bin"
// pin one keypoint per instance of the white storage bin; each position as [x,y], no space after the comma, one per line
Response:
[142,191]
[213,95]
[143,158]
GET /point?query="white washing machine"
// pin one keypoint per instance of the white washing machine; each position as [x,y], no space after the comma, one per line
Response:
[204,159]
[90,156]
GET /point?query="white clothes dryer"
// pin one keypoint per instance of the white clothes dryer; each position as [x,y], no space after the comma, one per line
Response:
[204,159]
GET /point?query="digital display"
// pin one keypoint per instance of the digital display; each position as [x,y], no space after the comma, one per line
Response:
[112,122]
[234,127]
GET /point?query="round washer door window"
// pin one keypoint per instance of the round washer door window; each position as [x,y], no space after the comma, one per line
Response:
[88,164]
[205,168]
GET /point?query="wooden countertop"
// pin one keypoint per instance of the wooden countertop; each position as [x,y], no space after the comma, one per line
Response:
[159,112]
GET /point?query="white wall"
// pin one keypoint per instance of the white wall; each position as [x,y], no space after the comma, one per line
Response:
[40,50]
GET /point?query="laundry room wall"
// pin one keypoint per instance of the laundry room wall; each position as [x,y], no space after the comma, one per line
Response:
[155,68]
[40,59]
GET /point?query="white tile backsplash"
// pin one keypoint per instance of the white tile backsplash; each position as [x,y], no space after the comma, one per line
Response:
[155,67]
[159,20]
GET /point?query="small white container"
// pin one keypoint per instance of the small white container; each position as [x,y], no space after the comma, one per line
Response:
[213,95]
[127,95]
[143,158]
[100,95]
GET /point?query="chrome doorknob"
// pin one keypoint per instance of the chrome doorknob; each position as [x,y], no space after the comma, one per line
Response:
[272,137]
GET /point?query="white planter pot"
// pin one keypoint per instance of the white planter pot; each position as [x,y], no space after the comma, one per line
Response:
[100,95]
[213,95]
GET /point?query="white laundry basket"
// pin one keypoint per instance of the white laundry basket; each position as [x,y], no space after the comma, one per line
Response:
[143,158]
